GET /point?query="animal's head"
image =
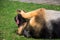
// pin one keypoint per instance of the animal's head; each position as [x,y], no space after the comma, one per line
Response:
[18,18]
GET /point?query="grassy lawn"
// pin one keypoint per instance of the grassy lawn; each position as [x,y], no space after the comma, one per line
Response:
[7,13]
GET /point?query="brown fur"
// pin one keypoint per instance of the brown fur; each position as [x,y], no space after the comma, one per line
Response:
[36,19]
[21,28]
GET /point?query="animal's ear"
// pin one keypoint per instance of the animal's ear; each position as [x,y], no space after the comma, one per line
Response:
[18,10]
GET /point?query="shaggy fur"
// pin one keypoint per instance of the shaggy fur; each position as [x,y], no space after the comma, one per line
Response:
[36,23]
[43,23]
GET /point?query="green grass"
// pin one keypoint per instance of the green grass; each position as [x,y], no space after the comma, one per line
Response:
[7,13]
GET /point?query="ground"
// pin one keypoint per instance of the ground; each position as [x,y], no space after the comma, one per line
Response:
[7,13]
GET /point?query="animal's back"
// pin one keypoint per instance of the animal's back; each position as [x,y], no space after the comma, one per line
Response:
[52,15]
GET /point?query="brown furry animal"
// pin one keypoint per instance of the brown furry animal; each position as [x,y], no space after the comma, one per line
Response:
[45,21]
[37,20]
